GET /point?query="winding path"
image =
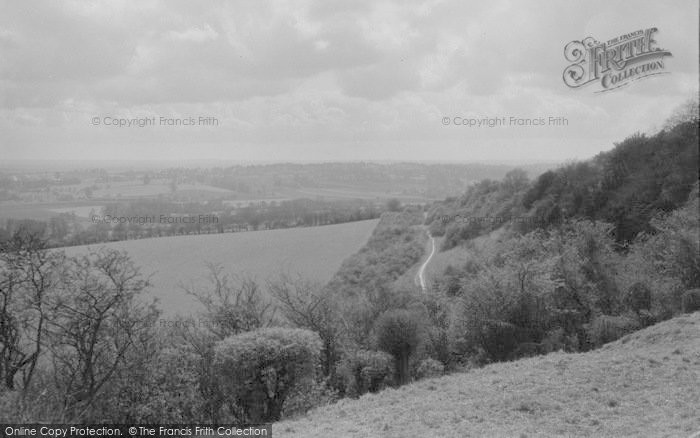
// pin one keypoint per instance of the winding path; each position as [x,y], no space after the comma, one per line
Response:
[421,272]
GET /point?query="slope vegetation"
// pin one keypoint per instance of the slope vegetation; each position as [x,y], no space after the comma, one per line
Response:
[644,384]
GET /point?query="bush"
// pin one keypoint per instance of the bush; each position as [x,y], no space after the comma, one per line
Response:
[607,328]
[528,349]
[399,333]
[258,370]
[498,339]
[305,398]
[646,318]
[429,368]
[393,204]
[690,301]
[365,371]
[164,388]
[558,340]
[638,297]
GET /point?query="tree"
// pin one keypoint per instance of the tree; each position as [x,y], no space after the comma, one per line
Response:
[29,278]
[515,181]
[232,305]
[97,321]
[399,332]
[393,204]
[667,262]
[365,371]
[259,369]
[161,384]
[686,112]
[307,305]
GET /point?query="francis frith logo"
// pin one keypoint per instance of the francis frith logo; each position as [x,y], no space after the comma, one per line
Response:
[614,63]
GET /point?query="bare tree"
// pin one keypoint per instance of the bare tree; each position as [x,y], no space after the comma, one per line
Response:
[232,305]
[29,276]
[307,305]
[98,320]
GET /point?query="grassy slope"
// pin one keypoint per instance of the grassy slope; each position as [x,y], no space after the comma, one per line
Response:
[315,252]
[456,257]
[645,384]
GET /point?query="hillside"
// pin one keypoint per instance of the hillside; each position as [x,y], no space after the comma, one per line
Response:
[642,176]
[315,252]
[645,384]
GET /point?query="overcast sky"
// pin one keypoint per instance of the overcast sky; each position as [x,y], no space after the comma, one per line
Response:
[325,80]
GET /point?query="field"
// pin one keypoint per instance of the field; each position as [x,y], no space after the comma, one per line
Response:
[351,193]
[314,252]
[44,211]
[136,189]
[645,384]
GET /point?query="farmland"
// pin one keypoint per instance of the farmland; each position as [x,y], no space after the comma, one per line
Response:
[314,252]
[644,384]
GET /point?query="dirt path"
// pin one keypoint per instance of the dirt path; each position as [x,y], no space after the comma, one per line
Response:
[421,272]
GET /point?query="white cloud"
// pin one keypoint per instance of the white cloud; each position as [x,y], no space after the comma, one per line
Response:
[194,34]
[374,76]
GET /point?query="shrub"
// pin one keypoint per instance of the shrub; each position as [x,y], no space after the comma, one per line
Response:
[365,371]
[646,318]
[557,340]
[439,339]
[528,349]
[498,339]
[399,332]
[304,398]
[164,388]
[429,368]
[690,300]
[606,328]
[393,204]
[638,297]
[258,370]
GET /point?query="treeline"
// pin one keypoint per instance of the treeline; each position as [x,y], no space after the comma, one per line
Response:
[626,187]
[407,179]
[29,184]
[140,219]
[261,214]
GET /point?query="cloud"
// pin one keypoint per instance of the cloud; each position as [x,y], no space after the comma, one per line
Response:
[375,76]
[194,34]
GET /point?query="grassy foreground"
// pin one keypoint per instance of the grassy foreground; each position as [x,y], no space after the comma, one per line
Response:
[646,384]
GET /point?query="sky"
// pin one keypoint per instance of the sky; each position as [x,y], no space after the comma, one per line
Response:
[325,80]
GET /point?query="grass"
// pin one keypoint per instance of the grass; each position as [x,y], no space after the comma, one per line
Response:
[314,252]
[645,384]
